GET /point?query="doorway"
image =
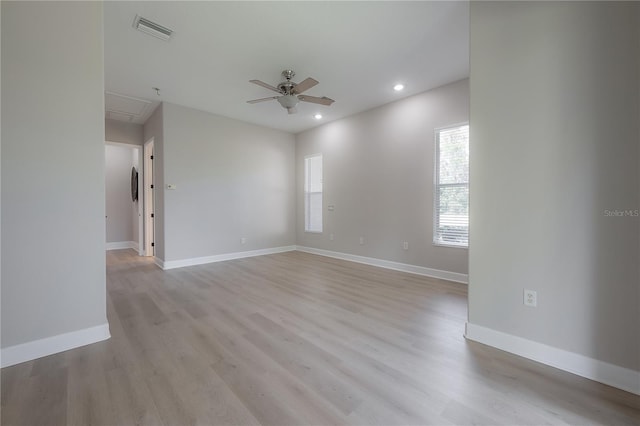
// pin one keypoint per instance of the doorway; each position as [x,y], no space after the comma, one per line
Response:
[123,209]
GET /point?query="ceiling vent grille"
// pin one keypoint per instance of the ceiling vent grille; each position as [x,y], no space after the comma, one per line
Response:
[151,28]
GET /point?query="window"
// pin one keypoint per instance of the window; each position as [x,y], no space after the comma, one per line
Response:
[313,193]
[451,208]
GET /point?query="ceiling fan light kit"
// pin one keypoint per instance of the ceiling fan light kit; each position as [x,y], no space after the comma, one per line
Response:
[291,93]
[288,101]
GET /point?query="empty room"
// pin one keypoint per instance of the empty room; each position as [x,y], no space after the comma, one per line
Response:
[320,213]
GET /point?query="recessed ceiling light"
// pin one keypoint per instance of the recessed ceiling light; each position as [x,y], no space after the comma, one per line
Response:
[317,116]
[398,87]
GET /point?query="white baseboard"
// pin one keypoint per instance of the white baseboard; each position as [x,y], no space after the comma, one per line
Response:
[600,371]
[134,245]
[119,245]
[158,262]
[171,264]
[404,267]
[51,345]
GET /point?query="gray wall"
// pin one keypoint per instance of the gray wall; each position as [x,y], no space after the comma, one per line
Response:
[554,131]
[122,225]
[378,173]
[153,128]
[53,171]
[234,180]
[119,131]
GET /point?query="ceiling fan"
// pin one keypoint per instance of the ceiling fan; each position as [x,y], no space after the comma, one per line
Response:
[291,93]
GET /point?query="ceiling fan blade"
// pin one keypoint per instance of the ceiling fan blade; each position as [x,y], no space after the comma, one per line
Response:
[255,101]
[315,100]
[265,85]
[305,85]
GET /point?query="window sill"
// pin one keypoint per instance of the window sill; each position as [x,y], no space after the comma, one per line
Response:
[313,232]
[458,246]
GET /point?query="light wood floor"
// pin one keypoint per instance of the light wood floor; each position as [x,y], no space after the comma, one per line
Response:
[293,339]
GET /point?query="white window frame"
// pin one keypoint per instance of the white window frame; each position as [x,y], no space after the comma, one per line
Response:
[307,195]
[437,241]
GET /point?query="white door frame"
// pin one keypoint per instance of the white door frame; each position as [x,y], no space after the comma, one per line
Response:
[140,195]
[149,199]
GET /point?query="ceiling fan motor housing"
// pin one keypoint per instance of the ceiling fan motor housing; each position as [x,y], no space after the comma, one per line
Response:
[287,86]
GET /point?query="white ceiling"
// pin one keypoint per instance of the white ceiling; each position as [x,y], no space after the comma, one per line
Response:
[356,50]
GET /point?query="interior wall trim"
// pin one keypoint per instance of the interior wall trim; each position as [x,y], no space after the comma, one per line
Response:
[387,264]
[172,264]
[159,262]
[600,371]
[50,345]
[118,245]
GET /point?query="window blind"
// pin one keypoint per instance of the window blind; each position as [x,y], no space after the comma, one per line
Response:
[451,212]
[313,193]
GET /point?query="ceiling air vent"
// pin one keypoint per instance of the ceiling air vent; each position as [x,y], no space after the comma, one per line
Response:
[151,28]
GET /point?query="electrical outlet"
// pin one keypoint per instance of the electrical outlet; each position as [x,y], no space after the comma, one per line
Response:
[405,245]
[243,240]
[530,298]
[331,237]
[361,241]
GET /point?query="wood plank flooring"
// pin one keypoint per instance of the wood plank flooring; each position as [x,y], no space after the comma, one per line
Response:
[293,339]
